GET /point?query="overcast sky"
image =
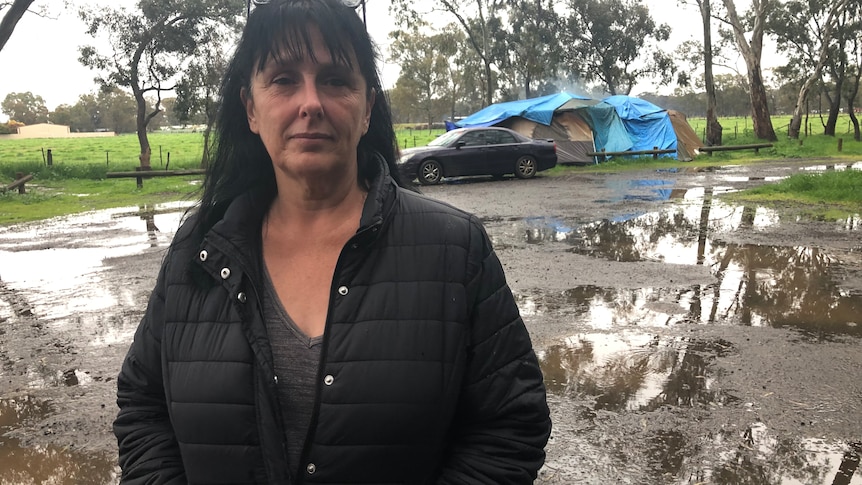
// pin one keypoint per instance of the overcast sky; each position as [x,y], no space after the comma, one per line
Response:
[42,54]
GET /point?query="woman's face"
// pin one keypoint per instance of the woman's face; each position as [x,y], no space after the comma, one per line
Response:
[310,115]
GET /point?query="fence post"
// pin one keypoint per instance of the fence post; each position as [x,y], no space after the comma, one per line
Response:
[19,176]
[655,155]
[840,144]
[139,178]
[50,158]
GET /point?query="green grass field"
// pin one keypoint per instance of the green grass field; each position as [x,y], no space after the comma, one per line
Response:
[76,181]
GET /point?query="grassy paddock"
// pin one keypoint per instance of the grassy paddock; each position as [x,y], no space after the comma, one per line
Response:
[91,158]
[76,181]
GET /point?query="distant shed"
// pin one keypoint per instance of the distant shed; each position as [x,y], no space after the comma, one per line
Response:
[43,130]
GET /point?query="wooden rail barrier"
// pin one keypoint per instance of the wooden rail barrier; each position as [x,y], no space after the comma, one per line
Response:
[20,180]
[655,152]
[725,148]
[140,175]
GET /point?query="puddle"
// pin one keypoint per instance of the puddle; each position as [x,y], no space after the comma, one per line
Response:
[836,167]
[757,285]
[758,456]
[56,264]
[631,371]
[40,465]
[634,372]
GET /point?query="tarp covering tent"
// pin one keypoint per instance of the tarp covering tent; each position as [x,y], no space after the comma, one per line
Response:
[649,126]
[580,125]
[577,124]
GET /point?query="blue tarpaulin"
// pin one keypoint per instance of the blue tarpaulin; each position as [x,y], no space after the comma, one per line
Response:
[609,132]
[648,125]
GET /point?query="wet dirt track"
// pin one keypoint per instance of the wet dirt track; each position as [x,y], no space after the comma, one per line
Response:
[683,339]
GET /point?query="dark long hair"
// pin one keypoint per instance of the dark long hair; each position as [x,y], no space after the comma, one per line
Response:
[279,29]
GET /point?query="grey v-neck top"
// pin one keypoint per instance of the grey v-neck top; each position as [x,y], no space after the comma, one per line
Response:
[296,358]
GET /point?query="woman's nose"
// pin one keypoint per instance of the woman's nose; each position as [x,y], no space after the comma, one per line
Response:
[311,106]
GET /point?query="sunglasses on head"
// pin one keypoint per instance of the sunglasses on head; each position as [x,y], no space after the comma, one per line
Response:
[347,3]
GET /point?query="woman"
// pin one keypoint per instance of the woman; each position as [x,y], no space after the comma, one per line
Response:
[314,322]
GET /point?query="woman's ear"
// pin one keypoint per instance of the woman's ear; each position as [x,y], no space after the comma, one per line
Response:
[248,102]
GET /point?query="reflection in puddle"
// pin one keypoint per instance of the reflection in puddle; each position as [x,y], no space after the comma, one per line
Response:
[776,286]
[642,373]
[633,371]
[38,465]
[760,457]
[56,264]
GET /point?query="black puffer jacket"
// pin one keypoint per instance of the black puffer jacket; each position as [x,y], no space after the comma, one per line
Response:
[427,372]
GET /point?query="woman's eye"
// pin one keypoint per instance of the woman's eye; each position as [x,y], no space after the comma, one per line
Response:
[336,81]
[283,80]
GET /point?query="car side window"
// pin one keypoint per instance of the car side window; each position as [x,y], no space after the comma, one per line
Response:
[505,138]
[500,138]
[473,139]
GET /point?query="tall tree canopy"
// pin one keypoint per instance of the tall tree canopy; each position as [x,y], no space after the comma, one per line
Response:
[615,43]
[806,33]
[534,48]
[424,62]
[151,45]
[480,20]
[26,108]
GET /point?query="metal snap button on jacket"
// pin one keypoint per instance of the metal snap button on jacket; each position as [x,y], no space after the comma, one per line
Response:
[225,273]
[328,380]
[203,255]
[310,468]
[342,291]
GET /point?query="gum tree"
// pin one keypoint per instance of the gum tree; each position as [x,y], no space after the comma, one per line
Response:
[151,45]
[615,43]
[748,34]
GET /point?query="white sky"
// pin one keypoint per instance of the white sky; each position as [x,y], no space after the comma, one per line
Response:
[42,54]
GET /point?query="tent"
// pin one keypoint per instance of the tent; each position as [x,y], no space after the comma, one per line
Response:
[577,124]
[651,127]
[687,141]
[580,125]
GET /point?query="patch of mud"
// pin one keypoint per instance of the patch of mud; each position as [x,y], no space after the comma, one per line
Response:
[663,318]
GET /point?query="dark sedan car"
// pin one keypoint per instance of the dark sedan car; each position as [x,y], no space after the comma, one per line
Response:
[477,151]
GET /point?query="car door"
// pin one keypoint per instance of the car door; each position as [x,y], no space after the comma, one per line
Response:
[467,156]
[503,152]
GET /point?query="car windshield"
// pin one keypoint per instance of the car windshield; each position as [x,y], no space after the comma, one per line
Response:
[445,139]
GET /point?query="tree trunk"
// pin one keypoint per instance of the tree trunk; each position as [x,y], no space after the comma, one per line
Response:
[713,127]
[489,90]
[205,159]
[834,108]
[10,20]
[760,116]
[796,120]
[141,126]
[751,52]
[851,108]
[857,136]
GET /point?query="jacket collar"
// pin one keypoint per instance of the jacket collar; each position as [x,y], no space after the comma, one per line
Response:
[243,218]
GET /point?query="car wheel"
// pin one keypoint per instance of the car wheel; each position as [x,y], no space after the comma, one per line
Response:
[525,167]
[430,172]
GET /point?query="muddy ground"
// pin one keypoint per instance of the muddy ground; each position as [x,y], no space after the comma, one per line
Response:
[684,339]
